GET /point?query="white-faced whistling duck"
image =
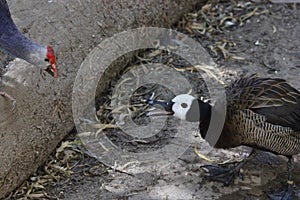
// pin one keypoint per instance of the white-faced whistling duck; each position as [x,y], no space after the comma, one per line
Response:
[262,113]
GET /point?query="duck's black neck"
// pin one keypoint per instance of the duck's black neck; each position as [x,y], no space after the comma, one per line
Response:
[205,110]
[199,111]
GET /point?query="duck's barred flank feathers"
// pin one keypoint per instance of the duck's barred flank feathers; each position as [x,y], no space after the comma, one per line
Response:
[255,131]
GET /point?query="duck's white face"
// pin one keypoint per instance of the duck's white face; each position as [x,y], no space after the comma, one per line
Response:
[183,104]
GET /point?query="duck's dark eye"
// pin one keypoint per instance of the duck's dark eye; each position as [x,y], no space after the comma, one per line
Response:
[184,105]
[47,59]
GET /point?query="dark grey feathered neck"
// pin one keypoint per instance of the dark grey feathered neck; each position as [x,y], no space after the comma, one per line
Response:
[199,111]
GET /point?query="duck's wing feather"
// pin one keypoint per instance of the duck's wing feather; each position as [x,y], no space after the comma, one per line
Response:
[273,98]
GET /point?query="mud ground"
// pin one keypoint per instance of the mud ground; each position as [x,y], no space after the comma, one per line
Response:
[267,43]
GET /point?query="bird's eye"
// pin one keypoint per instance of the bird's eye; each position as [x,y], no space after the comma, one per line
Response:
[184,105]
[47,59]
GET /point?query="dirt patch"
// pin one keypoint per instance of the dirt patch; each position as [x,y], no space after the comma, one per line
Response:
[243,38]
[44,116]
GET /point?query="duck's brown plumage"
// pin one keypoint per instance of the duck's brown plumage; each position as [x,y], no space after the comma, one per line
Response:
[263,113]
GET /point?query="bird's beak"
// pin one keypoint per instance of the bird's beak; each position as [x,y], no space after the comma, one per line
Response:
[160,108]
[52,70]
